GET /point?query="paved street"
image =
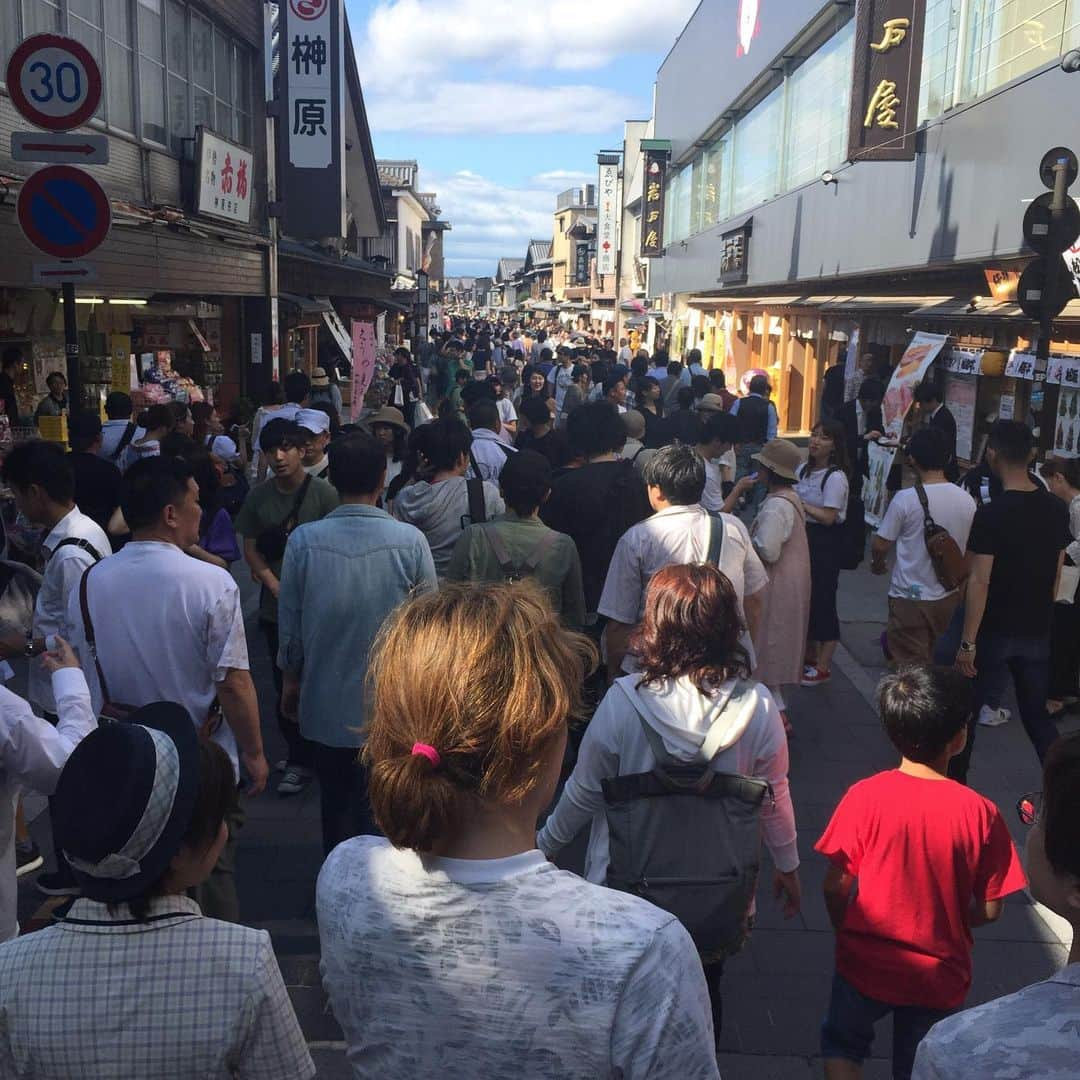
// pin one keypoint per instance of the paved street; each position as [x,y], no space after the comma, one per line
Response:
[779,984]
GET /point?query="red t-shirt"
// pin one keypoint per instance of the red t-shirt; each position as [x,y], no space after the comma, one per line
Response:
[922,851]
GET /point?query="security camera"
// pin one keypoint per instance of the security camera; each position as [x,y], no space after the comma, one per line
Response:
[1070,62]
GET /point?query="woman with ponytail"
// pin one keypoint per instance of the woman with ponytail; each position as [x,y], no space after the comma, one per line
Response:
[452,947]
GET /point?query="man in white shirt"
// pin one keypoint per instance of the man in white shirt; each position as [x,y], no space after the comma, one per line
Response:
[560,376]
[508,418]
[626,354]
[718,432]
[920,607]
[178,636]
[32,753]
[119,424]
[489,451]
[40,477]
[681,531]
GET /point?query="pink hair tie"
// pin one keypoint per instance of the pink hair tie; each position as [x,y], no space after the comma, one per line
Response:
[427,751]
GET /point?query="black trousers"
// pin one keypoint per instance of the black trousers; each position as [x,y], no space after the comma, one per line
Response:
[825,542]
[343,789]
[1065,651]
[300,750]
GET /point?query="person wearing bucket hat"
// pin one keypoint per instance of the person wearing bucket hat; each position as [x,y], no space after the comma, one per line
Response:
[140,814]
[778,533]
[389,427]
[316,424]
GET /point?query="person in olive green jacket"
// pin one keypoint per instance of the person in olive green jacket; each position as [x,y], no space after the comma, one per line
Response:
[518,544]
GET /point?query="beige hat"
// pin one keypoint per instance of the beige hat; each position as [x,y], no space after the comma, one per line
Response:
[634,423]
[319,377]
[781,457]
[386,415]
[711,403]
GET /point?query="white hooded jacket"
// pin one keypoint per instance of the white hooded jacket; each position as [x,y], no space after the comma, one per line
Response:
[751,739]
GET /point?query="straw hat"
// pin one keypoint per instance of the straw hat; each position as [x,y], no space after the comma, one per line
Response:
[387,415]
[781,457]
[711,403]
[319,377]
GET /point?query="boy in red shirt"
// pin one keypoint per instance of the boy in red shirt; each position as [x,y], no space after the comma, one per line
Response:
[917,861]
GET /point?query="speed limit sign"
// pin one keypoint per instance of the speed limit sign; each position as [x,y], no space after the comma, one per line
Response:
[54,82]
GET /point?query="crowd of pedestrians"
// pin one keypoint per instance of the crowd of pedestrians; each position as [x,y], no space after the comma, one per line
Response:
[558,586]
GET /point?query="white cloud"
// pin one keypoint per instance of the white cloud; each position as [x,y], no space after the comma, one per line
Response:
[503,108]
[491,221]
[408,42]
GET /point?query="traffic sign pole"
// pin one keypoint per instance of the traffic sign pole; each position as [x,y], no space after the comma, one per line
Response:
[71,347]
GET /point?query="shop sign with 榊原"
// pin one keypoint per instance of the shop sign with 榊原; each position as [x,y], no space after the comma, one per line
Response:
[312,184]
[885,86]
[607,215]
[652,204]
[225,178]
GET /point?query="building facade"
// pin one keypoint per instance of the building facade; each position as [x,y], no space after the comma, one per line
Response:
[779,261]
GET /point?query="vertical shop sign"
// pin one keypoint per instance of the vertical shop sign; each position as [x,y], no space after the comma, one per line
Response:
[311,130]
[363,362]
[120,356]
[607,215]
[885,88]
[581,265]
[652,204]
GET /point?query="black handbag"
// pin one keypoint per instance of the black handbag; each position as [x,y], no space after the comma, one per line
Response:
[270,543]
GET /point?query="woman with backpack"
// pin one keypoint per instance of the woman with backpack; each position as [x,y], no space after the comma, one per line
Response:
[823,487]
[451,946]
[692,701]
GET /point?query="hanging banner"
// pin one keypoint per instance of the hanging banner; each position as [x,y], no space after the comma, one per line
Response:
[363,362]
[885,87]
[961,392]
[1063,371]
[851,366]
[652,205]
[1021,365]
[963,361]
[313,140]
[900,393]
[874,492]
[607,214]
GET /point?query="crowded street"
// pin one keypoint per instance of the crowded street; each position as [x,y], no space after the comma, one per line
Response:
[492,587]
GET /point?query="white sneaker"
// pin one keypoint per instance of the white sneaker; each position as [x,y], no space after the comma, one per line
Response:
[294,781]
[993,717]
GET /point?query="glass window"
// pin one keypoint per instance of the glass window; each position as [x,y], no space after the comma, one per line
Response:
[819,100]
[223,68]
[697,185]
[180,126]
[176,38]
[757,137]
[939,58]
[202,53]
[9,31]
[118,20]
[680,227]
[39,16]
[716,189]
[1007,38]
[243,94]
[150,29]
[152,100]
[119,66]
[86,24]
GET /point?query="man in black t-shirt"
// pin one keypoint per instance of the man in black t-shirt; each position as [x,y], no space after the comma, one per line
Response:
[1016,549]
[97,481]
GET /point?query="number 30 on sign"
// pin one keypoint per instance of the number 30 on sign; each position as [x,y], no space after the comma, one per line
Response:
[54,82]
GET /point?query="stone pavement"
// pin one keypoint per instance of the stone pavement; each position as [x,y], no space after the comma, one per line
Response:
[777,988]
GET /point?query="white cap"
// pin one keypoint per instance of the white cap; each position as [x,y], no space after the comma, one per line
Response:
[313,420]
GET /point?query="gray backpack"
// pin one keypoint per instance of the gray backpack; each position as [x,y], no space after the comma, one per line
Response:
[688,839]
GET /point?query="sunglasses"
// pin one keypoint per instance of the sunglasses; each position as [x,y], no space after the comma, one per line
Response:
[1029,808]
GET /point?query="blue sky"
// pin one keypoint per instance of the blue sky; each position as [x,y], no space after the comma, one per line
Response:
[505,104]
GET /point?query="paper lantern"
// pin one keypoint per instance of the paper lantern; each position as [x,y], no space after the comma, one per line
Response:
[993,362]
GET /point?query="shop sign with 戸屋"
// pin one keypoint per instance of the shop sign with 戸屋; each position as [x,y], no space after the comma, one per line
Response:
[657,152]
[886,79]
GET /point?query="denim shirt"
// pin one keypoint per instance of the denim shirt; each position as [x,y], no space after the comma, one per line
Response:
[342,576]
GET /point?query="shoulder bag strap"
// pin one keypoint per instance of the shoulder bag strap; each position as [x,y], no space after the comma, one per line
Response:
[716,538]
[475,489]
[88,631]
[129,434]
[656,744]
[294,514]
[928,520]
[536,556]
[744,699]
[79,542]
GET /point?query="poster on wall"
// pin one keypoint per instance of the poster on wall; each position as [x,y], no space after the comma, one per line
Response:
[961,392]
[1067,429]
[363,368]
[851,360]
[874,492]
[900,393]
[120,355]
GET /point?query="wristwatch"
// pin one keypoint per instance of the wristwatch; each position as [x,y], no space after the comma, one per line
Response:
[967,646]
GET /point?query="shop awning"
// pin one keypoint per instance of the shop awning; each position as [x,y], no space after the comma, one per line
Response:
[337,330]
[309,305]
[867,305]
[983,307]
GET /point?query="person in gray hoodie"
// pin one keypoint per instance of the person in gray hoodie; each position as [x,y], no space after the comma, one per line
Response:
[438,504]
[690,663]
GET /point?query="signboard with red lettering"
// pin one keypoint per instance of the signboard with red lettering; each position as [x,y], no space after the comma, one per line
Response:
[363,362]
[226,179]
[54,82]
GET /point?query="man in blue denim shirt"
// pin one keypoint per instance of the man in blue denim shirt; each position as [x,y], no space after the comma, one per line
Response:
[341,577]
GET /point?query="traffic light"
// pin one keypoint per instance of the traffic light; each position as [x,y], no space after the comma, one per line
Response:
[1051,227]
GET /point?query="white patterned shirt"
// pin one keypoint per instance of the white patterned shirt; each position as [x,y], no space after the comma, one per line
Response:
[102,997]
[505,967]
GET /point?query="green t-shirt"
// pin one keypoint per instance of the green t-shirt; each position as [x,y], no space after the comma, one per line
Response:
[267,506]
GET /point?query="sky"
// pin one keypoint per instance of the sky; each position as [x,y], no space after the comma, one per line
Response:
[505,103]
